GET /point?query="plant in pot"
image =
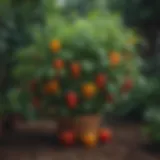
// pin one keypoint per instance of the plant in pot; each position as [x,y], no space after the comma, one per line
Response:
[79,69]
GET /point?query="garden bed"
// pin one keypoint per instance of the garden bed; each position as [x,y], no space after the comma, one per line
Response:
[30,143]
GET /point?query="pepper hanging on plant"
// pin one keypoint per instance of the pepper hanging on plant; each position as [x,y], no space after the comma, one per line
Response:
[58,64]
[55,46]
[114,58]
[127,85]
[72,99]
[89,90]
[101,80]
[75,69]
[52,87]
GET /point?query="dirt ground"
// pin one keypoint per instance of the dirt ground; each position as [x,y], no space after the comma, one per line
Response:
[36,142]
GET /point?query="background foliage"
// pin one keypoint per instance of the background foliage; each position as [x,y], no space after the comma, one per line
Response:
[16,19]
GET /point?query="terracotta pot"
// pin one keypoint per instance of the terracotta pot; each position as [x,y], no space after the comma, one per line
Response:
[87,124]
[65,124]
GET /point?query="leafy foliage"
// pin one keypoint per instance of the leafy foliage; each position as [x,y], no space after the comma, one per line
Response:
[134,106]
[16,20]
[152,112]
[14,27]
[97,46]
[139,12]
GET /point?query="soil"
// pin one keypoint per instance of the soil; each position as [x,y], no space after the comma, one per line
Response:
[35,141]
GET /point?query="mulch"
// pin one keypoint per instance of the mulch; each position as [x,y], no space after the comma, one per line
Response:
[31,143]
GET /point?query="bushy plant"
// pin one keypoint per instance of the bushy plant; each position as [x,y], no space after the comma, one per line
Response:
[78,67]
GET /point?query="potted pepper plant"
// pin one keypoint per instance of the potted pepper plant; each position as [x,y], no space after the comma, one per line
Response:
[78,69]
